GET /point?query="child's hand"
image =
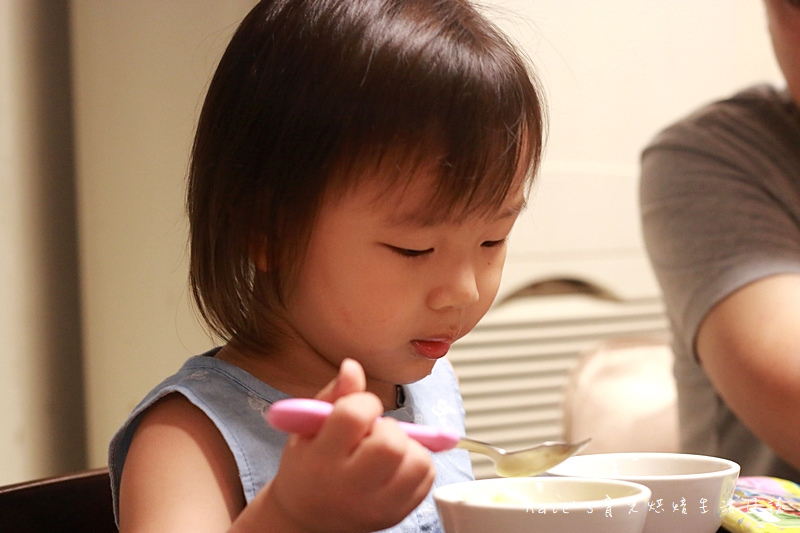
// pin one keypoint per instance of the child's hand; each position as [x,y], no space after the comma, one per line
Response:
[356,474]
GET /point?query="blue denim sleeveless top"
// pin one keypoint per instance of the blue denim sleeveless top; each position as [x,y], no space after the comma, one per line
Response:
[236,402]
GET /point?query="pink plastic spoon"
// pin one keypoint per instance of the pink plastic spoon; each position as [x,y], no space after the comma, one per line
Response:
[305,417]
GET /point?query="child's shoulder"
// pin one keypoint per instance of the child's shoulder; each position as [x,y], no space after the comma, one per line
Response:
[205,378]
[227,397]
[172,419]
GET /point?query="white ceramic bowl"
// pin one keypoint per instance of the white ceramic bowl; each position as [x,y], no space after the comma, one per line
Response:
[542,504]
[690,492]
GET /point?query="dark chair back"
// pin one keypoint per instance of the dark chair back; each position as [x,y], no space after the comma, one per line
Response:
[74,502]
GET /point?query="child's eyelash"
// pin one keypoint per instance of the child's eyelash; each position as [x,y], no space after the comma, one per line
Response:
[492,244]
[405,252]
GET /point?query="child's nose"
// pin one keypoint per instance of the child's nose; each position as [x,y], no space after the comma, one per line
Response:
[455,290]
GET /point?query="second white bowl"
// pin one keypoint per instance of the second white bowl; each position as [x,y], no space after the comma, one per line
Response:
[690,492]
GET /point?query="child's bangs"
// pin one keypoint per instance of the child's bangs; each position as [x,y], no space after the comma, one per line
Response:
[473,161]
[467,179]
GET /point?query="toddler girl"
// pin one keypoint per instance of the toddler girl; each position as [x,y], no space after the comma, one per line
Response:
[357,168]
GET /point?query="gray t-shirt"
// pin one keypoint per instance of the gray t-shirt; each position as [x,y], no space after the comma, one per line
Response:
[236,402]
[720,201]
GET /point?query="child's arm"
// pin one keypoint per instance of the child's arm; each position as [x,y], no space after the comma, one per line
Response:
[179,474]
[355,475]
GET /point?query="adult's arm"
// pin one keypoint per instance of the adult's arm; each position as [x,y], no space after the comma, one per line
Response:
[749,346]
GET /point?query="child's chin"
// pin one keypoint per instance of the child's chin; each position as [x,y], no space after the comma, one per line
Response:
[421,370]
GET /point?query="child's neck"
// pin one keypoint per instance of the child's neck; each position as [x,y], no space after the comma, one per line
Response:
[300,377]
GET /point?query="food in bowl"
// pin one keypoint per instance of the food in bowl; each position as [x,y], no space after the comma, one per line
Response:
[542,504]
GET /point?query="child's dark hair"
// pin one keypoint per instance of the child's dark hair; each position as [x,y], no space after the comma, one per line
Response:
[307,88]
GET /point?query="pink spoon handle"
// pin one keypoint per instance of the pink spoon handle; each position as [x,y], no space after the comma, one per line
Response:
[305,417]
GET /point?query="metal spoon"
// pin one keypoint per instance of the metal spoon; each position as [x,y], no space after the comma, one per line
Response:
[531,461]
[305,417]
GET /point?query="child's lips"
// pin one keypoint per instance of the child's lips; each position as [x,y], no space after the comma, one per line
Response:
[432,348]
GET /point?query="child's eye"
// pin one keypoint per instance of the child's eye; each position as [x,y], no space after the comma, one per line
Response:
[492,244]
[406,252]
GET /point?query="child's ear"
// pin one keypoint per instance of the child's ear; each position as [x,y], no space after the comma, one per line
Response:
[258,254]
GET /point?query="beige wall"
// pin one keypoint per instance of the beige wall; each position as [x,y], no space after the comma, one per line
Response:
[41,403]
[618,70]
[141,67]
[615,71]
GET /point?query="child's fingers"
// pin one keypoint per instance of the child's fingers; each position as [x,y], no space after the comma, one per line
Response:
[362,464]
[381,453]
[413,478]
[390,463]
[352,419]
[349,380]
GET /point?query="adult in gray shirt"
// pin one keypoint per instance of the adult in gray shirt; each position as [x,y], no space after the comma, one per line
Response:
[720,199]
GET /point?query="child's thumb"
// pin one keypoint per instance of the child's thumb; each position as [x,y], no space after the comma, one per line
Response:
[349,380]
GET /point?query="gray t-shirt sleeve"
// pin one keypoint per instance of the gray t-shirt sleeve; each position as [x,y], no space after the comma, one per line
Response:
[719,209]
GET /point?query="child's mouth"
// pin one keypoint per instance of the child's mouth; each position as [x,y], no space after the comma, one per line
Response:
[431,348]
